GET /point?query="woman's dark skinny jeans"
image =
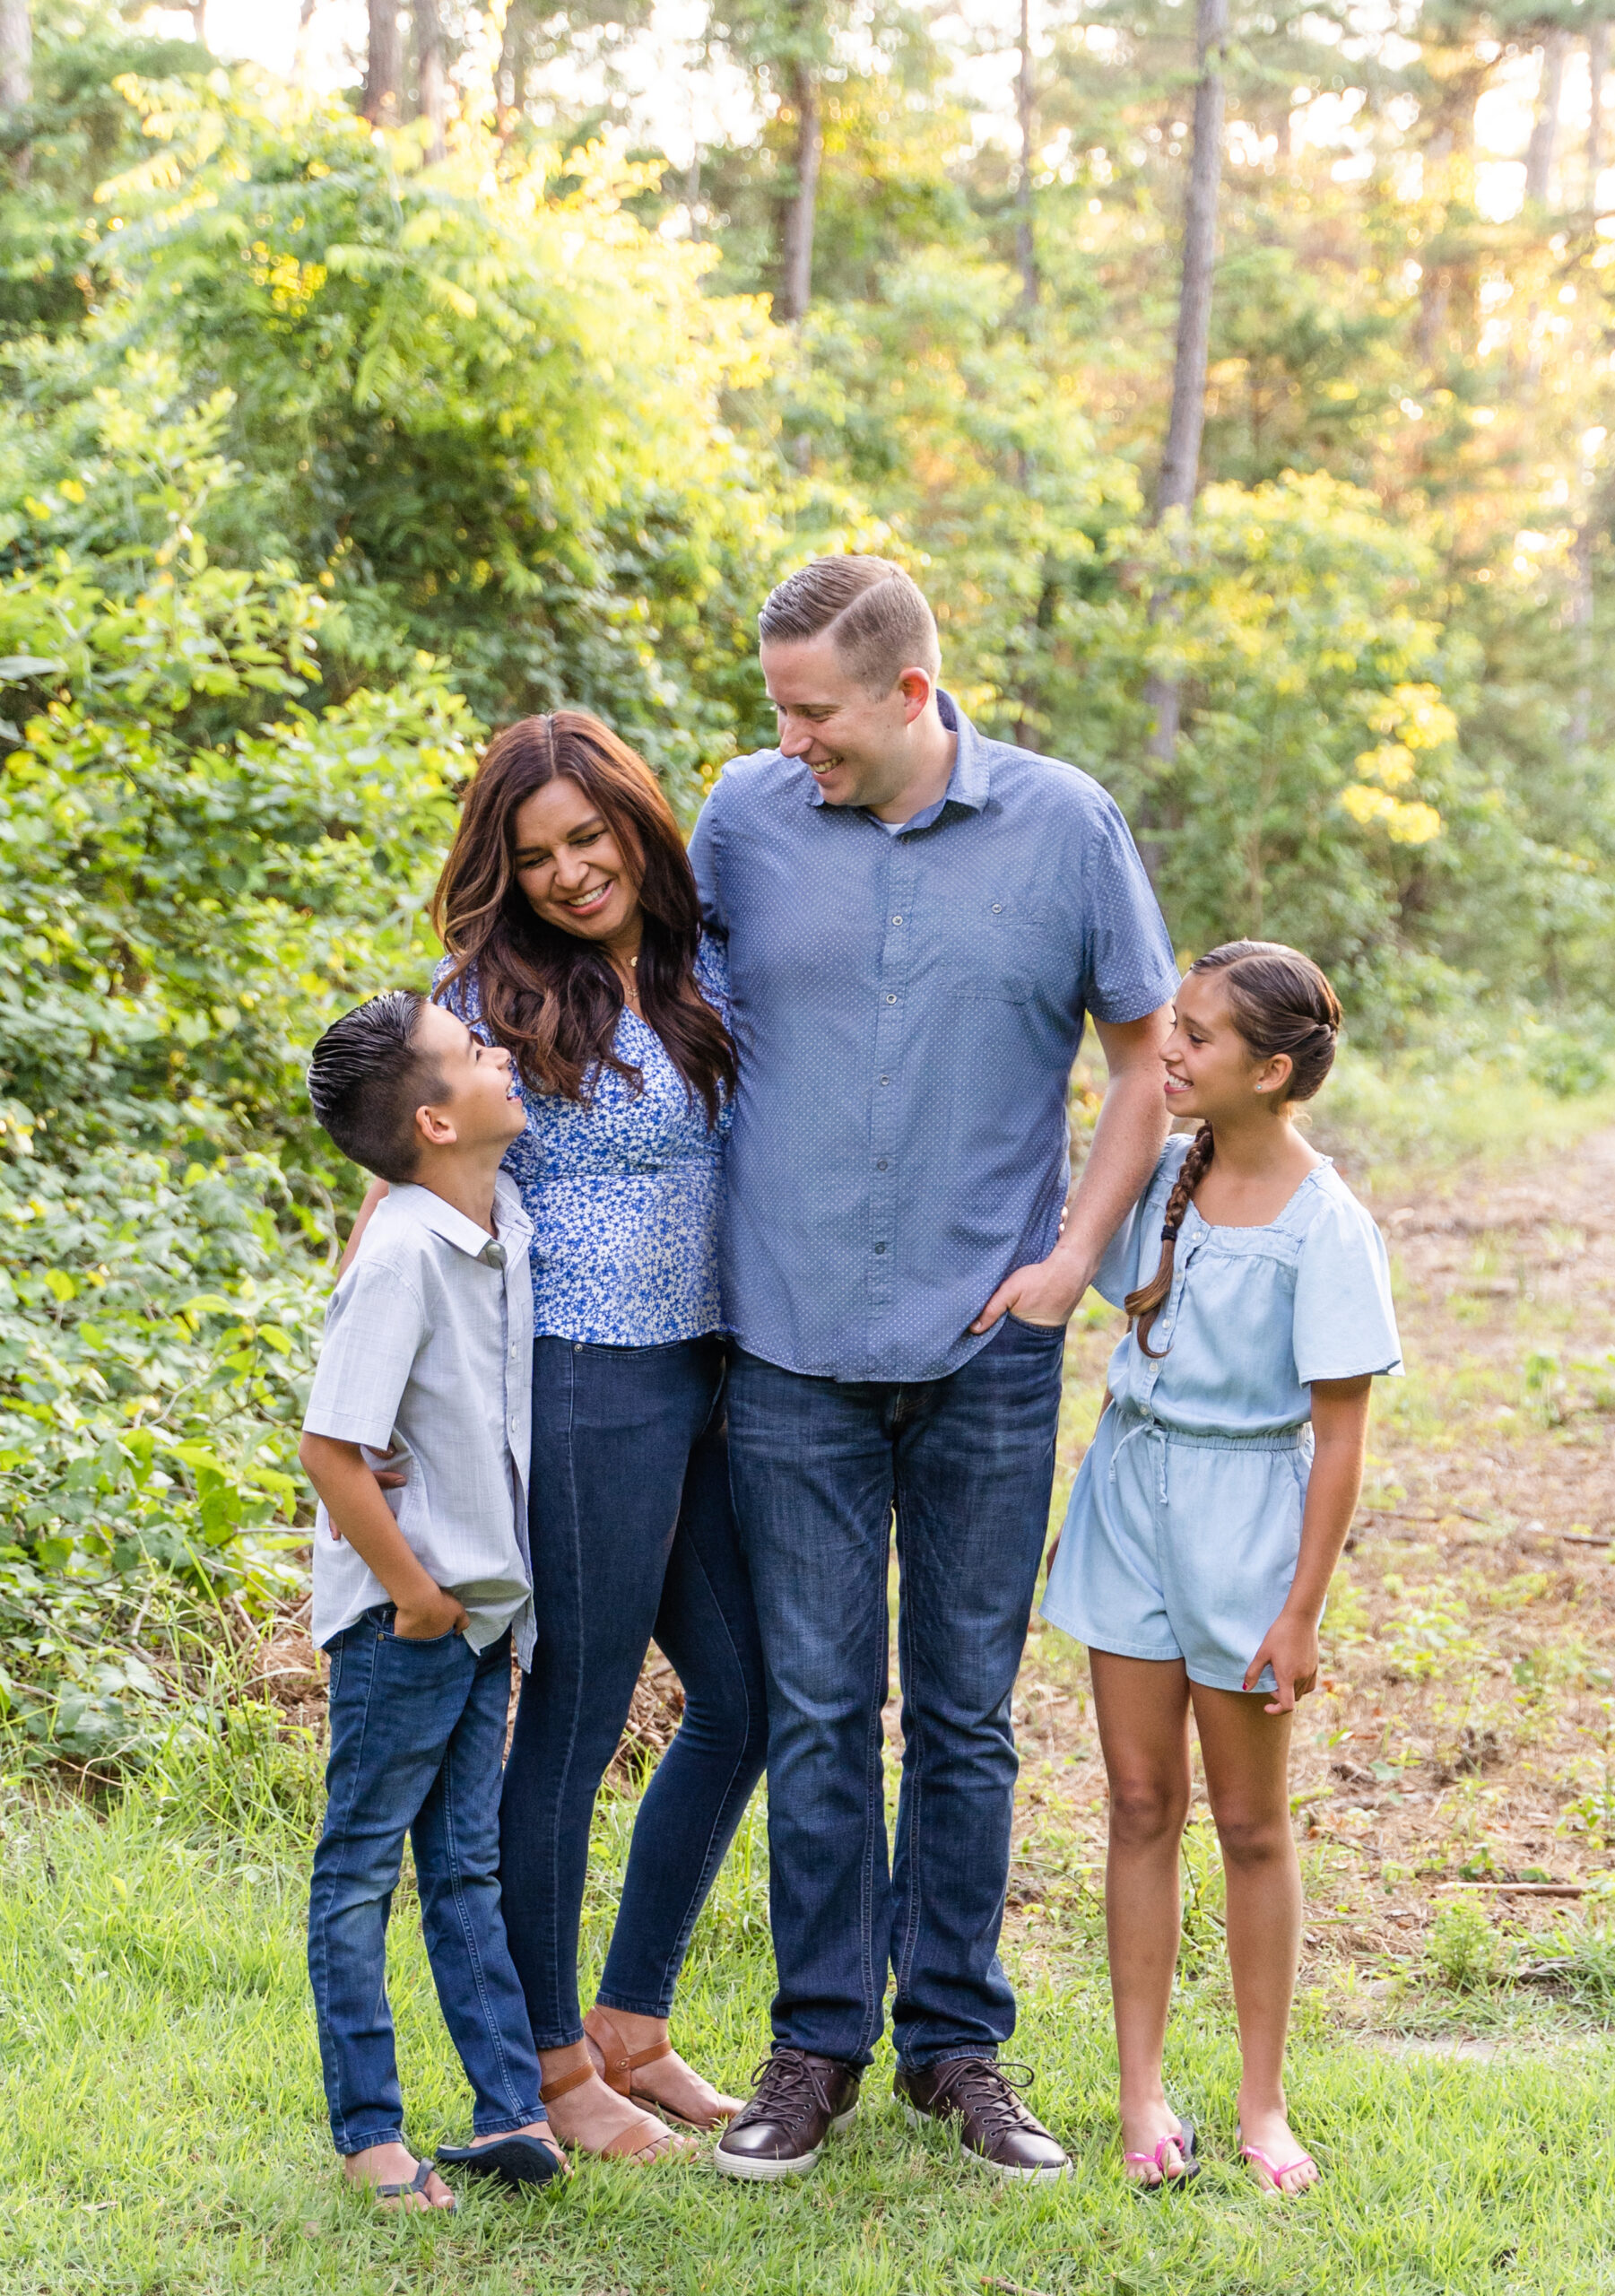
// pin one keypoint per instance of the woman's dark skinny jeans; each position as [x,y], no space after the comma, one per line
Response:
[632,1535]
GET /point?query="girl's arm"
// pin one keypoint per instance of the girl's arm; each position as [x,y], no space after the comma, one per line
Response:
[1340,1427]
[373,1197]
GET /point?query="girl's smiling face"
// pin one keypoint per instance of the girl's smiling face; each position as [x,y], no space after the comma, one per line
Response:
[1211,1072]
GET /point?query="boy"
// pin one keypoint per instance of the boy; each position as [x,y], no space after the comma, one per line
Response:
[426,1355]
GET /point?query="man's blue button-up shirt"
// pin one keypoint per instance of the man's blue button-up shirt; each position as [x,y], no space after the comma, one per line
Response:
[907,1009]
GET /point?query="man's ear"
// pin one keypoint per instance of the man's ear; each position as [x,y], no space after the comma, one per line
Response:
[435,1128]
[916,688]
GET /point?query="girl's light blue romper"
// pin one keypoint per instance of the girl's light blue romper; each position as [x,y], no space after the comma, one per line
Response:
[1185,1522]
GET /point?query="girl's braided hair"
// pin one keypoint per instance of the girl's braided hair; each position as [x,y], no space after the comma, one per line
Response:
[1280,1002]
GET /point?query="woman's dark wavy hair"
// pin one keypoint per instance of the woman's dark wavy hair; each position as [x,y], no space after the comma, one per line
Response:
[552,998]
[1280,1002]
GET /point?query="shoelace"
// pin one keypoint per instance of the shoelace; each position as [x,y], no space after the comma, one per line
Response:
[976,2085]
[787,2089]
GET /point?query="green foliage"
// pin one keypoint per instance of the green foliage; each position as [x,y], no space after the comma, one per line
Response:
[1464,1949]
[482,411]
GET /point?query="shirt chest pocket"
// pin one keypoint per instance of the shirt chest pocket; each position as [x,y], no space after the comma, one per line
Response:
[999,952]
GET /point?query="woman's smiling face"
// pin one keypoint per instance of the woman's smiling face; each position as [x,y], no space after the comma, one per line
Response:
[572,870]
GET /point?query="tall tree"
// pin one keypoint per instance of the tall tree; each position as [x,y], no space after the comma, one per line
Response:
[1598,64]
[1180,461]
[1541,152]
[16,77]
[1026,244]
[803,65]
[431,77]
[383,65]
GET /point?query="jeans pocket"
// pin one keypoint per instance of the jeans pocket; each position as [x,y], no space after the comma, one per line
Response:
[1047,1333]
[385,1613]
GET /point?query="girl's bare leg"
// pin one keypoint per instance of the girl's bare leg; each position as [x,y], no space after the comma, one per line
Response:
[1246,1756]
[1141,1706]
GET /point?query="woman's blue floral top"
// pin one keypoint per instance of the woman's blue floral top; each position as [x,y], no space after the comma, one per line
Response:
[623,1191]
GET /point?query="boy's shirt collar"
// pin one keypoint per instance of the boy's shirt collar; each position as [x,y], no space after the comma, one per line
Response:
[430,1210]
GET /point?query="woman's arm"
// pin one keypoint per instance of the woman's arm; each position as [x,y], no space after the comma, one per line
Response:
[1340,1426]
[373,1197]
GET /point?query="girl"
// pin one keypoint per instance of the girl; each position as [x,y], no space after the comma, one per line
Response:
[1210,1512]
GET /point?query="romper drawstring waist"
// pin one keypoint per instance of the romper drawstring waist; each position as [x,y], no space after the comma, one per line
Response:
[1145,1423]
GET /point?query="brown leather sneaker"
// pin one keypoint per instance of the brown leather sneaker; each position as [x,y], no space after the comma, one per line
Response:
[996,2131]
[799,2100]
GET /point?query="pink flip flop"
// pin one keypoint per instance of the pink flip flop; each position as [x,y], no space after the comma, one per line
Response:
[1274,2171]
[1167,2180]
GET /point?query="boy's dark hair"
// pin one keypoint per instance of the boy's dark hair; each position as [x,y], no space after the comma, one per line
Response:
[366,1080]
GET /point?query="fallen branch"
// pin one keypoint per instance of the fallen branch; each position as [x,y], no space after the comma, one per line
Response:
[1522,1889]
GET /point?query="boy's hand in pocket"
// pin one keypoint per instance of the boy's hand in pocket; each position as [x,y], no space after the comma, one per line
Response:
[430,1617]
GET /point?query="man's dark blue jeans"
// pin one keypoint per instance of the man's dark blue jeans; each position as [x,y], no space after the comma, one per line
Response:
[417,1737]
[818,1467]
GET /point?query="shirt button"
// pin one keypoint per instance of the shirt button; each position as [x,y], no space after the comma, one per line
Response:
[897,920]
[891,1000]
[998,908]
[885,1079]
[879,1163]
[879,1248]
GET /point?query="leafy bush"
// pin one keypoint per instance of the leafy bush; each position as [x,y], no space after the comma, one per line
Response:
[1464,1949]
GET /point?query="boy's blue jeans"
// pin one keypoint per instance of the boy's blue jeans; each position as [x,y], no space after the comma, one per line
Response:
[417,1741]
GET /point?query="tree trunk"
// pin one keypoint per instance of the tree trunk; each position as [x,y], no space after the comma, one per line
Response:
[16,73]
[1025,245]
[384,65]
[1180,462]
[433,80]
[299,55]
[1544,131]
[1598,63]
[796,264]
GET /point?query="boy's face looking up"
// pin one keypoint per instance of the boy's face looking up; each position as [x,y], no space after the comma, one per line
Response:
[479,1105]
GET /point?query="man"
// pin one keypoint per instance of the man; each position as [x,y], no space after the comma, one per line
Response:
[917,921]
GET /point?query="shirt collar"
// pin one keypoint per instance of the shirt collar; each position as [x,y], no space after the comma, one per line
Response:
[431,1211]
[972,770]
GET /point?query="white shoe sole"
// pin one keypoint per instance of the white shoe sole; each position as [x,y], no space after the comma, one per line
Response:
[1007,2175]
[769,2172]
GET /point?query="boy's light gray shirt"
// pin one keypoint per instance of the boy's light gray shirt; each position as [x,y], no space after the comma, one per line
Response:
[428,1353]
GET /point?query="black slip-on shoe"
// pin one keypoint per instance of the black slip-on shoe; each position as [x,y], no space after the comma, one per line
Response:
[797,2102]
[995,2130]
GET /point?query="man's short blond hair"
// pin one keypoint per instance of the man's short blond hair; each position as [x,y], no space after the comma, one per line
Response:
[876,617]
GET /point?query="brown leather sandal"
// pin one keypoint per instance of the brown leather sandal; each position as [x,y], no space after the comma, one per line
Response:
[619,2064]
[628,2144]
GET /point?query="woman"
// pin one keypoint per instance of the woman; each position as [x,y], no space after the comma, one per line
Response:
[570,915]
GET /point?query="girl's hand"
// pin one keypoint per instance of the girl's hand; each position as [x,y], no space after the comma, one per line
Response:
[1291,1648]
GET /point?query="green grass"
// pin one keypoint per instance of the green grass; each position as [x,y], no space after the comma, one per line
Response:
[1391,1120]
[162,2102]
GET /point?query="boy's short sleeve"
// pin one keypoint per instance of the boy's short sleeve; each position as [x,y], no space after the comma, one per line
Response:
[373,1327]
[1345,1323]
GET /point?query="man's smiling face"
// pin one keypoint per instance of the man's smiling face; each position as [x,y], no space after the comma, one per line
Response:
[851,741]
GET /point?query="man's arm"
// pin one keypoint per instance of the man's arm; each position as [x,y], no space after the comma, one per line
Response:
[360,1514]
[1127,1147]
